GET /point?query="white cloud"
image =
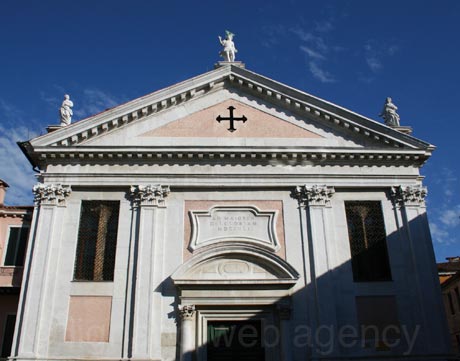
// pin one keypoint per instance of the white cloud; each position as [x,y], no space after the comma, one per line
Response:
[316,49]
[93,101]
[450,217]
[320,74]
[445,227]
[324,26]
[392,50]
[312,53]
[450,184]
[16,169]
[372,57]
[272,35]
[374,64]
[439,234]
[375,53]
[308,37]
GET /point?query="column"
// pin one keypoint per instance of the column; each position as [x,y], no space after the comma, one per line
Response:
[316,201]
[428,306]
[284,312]
[148,256]
[38,287]
[187,339]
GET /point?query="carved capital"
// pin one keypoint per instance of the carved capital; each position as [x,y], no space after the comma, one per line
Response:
[51,194]
[409,195]
[149,195]
[186,312]
[314,195]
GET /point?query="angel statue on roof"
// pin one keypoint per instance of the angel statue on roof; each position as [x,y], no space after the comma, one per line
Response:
[228,53]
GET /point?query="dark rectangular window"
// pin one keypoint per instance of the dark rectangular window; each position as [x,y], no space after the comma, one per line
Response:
[451,303]
[457,294]
[97,241]
[367,236]
[16,248]
[8,335]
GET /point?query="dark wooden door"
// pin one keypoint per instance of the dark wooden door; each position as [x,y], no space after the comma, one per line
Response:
[235,341]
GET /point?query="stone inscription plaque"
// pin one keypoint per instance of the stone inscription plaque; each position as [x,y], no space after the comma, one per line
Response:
[233,223]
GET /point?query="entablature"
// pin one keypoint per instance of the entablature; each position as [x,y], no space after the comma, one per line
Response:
[246,156]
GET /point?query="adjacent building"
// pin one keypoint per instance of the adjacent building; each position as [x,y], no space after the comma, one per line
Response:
[14,230]
[449,276]
[230,216]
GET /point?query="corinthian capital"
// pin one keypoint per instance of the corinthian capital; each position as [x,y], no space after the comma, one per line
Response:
[50,194]
[314,195]
[409,195]
[149,195]
[186,312]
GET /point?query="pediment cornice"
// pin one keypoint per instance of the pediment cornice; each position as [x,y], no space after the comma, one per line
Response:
[65,140]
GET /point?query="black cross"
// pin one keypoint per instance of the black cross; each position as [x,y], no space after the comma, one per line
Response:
[231,118]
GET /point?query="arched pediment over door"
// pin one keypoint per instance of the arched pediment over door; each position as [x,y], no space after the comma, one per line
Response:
[234,274]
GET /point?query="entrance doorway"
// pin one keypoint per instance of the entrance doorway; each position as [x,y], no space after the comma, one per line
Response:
[235,340]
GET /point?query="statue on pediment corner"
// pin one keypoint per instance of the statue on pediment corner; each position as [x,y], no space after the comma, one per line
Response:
[389,114]
[228,53]
[66,111]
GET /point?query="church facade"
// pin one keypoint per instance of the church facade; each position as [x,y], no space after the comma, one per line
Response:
[229,216]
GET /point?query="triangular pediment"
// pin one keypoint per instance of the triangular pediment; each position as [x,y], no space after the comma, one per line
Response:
[185,116]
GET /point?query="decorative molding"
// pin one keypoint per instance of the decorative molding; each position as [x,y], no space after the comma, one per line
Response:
[409,195]
[187,312]
[51,194]
[149,195]
[245,224]
[314,196]
[265,156]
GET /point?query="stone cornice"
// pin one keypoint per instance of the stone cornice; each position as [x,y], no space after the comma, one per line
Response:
[149,195]
[249,155]
[412,196]
[16,211]
[51,194]
[316,195]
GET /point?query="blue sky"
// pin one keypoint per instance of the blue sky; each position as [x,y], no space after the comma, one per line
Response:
[353,53]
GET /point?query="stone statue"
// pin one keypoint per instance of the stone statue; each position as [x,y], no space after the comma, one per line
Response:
[389,114]
[66,111]
[228,53]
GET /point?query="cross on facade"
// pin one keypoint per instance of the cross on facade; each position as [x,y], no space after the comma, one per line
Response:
[231,118]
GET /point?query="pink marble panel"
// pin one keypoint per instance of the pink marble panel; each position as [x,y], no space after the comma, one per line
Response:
[89,319]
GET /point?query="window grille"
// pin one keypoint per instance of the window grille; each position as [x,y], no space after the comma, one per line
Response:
[367,236]
[16,248]
[97,241]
